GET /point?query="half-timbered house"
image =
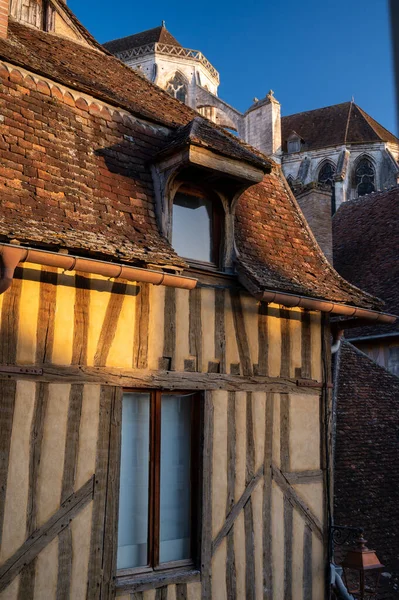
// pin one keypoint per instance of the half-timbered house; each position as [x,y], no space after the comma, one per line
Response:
[164,341]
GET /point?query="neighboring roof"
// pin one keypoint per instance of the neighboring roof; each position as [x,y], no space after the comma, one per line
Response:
[335,125]
[201,132]
[366,466]
[277,250]
[150,36]
[366,250]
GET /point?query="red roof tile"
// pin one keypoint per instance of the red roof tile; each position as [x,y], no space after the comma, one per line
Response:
[92,71]
[79,176]
[279,252]
[201,132]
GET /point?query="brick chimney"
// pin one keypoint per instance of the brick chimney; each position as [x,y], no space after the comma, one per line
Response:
[315,203]
[3,18]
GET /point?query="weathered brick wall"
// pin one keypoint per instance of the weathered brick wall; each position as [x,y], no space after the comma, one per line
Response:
[74,162]
[367,456]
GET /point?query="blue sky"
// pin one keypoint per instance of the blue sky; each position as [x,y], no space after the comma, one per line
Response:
[311,53]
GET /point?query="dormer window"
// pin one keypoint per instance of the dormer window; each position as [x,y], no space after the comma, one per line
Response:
[197,226]
[294,142]
[294,145]
[198,178]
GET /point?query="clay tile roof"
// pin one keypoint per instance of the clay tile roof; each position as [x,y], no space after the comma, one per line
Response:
[201,132]
[150,36]
[366,249]
[277,250]
[333,126]
[91,71]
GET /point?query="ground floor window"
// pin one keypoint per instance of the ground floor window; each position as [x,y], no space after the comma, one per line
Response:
[159,477]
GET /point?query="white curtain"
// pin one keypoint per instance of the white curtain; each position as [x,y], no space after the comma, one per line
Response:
[175,477]
[133,495]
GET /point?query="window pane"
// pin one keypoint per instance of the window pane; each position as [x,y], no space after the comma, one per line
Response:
[175,521]
[133,495]
[192,227]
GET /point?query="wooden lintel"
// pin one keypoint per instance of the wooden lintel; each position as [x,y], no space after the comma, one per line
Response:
[311,383]
[144,379]
[155,580]
[46,533]
[297,502]
[237,508]
[235,168]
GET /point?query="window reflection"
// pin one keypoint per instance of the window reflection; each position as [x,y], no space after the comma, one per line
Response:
[175,477]
[192,227]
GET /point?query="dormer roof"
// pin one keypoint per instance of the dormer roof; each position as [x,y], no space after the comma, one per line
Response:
[201,132]
[143,38]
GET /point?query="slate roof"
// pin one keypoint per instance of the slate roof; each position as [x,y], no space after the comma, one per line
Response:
[150,36]
[203,133]
[104,201]
[367,457]
[335,125]
[366,250]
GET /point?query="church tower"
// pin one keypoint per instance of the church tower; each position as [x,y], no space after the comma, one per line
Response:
[163,60]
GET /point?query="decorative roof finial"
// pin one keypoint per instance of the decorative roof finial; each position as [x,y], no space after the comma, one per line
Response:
[256,100]
[270,93]
[353,99]
[163,23]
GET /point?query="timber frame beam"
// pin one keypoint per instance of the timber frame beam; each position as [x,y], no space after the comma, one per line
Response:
[144,379]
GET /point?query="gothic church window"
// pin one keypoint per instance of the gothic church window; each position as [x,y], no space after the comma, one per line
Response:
[364,177]
[327,174]
[326,177]
[177,87]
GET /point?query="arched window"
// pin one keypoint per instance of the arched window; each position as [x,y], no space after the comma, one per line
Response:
[177,87]
[364,177]
[197,226]
[327,178]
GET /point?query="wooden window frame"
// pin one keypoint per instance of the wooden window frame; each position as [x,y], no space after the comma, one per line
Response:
[153,542]
[218,225]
